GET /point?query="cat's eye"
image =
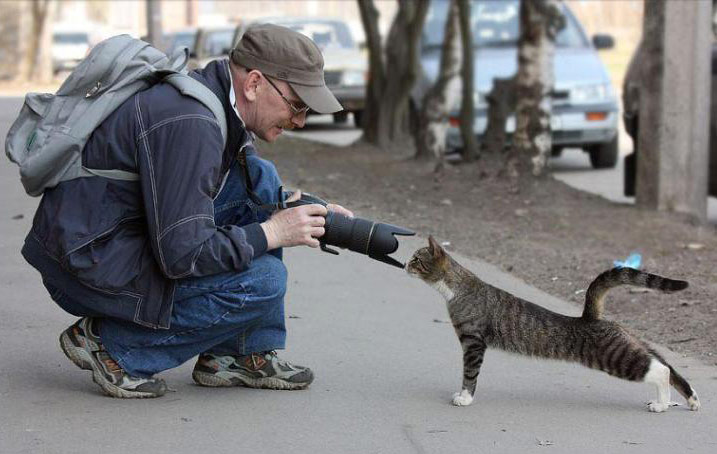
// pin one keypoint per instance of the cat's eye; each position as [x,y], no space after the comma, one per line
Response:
[421,265]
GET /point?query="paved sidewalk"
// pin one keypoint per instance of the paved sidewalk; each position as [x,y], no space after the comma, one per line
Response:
[386,367]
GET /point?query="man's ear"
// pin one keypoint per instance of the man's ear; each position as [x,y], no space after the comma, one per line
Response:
[251,84]
[434,248]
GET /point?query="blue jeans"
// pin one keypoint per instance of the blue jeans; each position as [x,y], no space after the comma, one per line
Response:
[233,313]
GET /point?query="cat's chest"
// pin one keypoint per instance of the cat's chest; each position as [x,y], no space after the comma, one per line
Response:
[446,292]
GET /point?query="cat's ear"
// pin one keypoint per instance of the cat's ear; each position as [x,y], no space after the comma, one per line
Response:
[434,248]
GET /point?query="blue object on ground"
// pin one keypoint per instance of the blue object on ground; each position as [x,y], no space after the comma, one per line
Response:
[632,261]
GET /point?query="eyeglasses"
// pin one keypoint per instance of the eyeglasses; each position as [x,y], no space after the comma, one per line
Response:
[296,111]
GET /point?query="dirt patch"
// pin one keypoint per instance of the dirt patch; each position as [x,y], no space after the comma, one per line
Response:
[553,236]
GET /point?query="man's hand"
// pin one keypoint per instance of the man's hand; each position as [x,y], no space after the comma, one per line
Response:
[339,209]
[295,226]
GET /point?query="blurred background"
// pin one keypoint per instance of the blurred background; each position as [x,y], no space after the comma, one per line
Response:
[76,25]
[41,41]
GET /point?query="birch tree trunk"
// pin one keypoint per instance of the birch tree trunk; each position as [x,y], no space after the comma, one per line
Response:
[470,147]
[443,96]
[540,21]
[388,93]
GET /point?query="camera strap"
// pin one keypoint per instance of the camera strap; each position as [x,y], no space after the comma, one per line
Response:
[241,156]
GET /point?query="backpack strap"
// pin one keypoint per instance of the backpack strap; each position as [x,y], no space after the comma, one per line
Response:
[110,173]
[189,86]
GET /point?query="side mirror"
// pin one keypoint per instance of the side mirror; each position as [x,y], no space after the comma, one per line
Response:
[603,42]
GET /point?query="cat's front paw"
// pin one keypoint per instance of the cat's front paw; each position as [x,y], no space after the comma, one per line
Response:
[462,398]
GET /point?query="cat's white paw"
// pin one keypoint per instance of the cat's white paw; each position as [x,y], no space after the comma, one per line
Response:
[462,398]
[657,407]
[693,403]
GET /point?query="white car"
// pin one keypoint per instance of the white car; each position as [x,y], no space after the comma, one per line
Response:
[345,65]
[69,47]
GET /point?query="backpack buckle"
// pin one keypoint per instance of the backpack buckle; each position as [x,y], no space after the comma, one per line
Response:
[93,91]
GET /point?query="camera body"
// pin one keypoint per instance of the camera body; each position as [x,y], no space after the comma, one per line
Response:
[375,239]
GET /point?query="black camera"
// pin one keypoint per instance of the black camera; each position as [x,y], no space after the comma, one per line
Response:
[364,236]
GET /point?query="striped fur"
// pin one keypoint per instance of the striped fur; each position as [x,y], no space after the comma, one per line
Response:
[485,317]
[595,296]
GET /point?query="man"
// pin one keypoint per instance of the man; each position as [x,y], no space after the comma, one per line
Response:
[184,262]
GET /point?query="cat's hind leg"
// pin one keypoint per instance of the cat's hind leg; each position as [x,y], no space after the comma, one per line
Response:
[680,384]
[659,375]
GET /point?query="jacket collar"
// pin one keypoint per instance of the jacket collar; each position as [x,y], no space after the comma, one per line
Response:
[217,78]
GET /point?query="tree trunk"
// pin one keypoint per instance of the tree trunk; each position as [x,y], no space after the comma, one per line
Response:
[673,121]
[37,63]
[501,104]
[389,87]
[540,21]
[154,24]
[470,147]
[443,96]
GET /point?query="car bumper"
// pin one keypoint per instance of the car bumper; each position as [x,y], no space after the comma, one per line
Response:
[65,65]
[351,98]
[569,124]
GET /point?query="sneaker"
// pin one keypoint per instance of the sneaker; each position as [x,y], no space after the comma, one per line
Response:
[84,348]
[258,370]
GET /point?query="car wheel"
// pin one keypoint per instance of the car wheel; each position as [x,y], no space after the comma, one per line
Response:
[604,155]
[358,118]
[341,117]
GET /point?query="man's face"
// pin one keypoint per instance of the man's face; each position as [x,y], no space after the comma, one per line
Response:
[273,113]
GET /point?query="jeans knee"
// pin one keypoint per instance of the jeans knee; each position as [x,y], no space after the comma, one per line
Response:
[265,176]
[269,278]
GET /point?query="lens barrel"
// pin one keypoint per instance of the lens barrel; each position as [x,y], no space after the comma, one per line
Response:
[374,239]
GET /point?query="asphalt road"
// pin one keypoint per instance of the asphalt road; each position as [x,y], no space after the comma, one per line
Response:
[386,365]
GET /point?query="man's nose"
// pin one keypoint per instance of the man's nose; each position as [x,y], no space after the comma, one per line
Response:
[299,120]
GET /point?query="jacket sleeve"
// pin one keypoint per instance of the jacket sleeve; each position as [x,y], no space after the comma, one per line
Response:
[179,161]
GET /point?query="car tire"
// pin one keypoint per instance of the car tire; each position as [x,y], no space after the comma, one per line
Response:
[358,118]
[604,155]
[341,117]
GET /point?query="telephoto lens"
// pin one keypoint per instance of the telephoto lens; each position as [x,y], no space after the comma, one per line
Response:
[374,239]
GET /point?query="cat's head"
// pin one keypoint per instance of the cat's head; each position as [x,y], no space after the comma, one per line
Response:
[429,263]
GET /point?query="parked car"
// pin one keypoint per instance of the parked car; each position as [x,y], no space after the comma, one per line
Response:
[69,47]
[584,105]
[180,38]
[211,43]
[345,64]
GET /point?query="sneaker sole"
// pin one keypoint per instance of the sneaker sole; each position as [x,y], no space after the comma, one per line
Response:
[83,360]
[215,381]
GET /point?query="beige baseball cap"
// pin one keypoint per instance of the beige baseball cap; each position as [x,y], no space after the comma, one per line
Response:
[287,55]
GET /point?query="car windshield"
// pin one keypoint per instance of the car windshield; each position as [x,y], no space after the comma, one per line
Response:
[70,38]
[495,24]
[218,42]
[326,34]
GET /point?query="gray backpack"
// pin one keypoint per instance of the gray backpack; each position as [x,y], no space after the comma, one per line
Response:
[47,138]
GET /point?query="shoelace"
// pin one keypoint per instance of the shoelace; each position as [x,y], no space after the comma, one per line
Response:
[262,355]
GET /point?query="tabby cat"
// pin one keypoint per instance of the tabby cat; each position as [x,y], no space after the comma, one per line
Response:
[485,316]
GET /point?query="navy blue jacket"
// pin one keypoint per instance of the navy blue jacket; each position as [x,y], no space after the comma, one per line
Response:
[131,241]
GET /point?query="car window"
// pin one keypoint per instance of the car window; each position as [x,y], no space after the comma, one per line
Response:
[183,40]
[70,38]
[326,34]
[217,41]
[495,24]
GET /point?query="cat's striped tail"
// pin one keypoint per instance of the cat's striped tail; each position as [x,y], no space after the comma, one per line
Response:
[595,296]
